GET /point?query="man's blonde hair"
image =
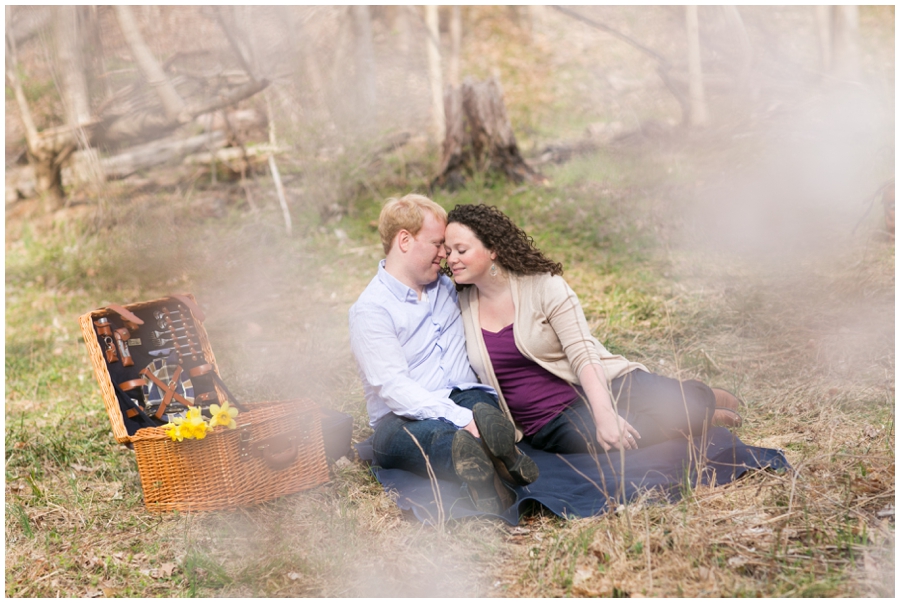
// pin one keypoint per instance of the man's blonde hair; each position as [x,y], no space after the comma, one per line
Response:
[406,213]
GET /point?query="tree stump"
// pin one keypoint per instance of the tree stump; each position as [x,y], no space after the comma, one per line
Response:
[479,137]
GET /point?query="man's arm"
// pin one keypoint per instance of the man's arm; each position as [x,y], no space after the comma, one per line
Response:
[382,362]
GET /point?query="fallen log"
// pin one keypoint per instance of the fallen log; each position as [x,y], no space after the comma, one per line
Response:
[560,152]
[83,166]
[152,154]
[233,157]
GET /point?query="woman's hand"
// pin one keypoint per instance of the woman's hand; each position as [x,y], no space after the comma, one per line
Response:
[612,430]
[615,432]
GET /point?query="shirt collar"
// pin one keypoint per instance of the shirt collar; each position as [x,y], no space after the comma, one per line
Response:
[398,289]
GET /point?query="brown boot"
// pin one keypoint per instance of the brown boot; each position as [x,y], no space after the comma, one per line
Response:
[726,413]
[499,437]
[473,467]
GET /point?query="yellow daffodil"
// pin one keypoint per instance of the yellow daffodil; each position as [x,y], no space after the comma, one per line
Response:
[190,427]
[200,430]
[193,426]
[174,431]
[223,415]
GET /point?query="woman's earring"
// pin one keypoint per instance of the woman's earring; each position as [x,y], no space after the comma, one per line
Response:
[493,270]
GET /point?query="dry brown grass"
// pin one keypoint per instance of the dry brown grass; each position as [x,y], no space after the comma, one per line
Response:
[810,350]
[804,335]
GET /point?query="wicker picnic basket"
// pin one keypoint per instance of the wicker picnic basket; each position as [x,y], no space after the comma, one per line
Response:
[276,449]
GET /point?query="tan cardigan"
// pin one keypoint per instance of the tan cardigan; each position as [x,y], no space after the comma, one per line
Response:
[549,328]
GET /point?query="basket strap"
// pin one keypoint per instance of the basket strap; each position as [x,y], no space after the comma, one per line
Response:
[132,384]
[278,451]
[169,390]
[133,409]
[127,315]
[228,393]
[209,369]
[191,304]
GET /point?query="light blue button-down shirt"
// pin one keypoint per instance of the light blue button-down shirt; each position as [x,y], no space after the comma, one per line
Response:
[411,353]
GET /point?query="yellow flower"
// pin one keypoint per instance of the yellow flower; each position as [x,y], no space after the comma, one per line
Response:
[223,415]
[190,427]
[174,431]
[193,426]
[187,431]
[200,430]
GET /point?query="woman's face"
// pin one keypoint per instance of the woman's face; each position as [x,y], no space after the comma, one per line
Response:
[467,256]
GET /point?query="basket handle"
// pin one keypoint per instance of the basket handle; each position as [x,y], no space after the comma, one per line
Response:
[278,451]
[191,304]
[131,321]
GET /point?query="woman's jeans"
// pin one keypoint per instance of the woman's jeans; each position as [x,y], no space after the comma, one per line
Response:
[659,408]
[395,448]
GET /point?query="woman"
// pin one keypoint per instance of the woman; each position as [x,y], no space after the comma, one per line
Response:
[527,337]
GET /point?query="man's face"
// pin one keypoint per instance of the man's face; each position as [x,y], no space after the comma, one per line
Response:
[426,250]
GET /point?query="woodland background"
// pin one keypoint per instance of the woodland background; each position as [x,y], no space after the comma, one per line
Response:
[717,181]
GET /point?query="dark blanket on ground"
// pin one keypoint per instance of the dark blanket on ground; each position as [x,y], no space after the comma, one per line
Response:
[580,485]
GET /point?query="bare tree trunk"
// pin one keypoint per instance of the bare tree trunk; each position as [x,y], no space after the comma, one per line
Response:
[74,83]
[149,66]
[453,170]
[365,61]
[314,86]
[537,13]
[434,71]
[455,45]
[699,114]
[823,28]
[733,17]
[845,41]
[46,154]
[403,28]
[229,23]
[480,138]
[27,22]
[75,95]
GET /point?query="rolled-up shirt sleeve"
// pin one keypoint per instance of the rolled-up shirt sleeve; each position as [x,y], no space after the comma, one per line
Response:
[384,368]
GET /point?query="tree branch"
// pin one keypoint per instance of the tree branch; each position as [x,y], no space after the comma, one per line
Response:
[229,99]
[233,40]
[31,133]
[29,20]
[149,66]
[615,33]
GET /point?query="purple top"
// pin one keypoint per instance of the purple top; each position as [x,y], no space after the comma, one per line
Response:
[534,394]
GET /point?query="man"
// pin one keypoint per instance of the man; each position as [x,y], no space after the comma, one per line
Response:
[424,400]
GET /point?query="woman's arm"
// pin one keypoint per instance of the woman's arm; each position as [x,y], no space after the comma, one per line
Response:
[560,305]
[612,429]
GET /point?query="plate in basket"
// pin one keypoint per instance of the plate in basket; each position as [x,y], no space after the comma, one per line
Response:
[164,370]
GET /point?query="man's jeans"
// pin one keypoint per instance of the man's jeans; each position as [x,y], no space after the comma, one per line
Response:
[660,408]
[394,442]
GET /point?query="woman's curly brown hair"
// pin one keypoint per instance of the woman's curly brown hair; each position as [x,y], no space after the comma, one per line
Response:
[515,250]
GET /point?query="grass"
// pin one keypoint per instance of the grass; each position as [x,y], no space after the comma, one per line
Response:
[802,330]
[76,525]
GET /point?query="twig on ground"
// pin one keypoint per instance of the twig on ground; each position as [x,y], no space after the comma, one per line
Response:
[432,479]
[279,188]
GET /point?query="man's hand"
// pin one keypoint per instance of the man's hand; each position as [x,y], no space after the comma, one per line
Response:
[615,432]
[471,428]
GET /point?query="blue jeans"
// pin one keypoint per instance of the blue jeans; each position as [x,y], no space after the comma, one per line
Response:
[395,449]
[660,409]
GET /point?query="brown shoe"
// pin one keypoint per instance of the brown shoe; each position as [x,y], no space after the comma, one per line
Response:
[476,470]
[726,413]
[499,437]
